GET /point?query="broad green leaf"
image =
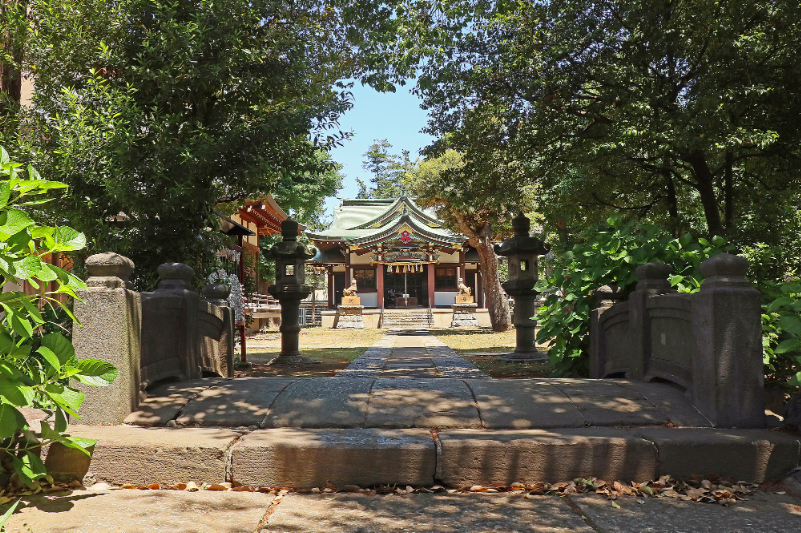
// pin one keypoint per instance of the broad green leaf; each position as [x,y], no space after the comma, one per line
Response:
[50,357]
[61,421]
[68,239]
[95,372]
[12,222]
[15,393]
[5,193]
[11,420]
[789,345]
[791,324]
[60,346]
[27,268]
[49,434]
[21,325]
[780,302]
[65,396]
[29,468]
[79,443]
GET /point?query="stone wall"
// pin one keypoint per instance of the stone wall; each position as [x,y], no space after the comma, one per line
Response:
[708,343]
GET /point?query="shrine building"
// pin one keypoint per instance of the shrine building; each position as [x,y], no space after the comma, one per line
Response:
[394,248]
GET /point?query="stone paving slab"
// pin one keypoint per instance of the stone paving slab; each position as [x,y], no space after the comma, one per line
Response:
[464,513]
[134,511]
[468,458]
[608,403]
[745,454]
[233,403]
[125,454]
[165,402]
[523,404]
[308,458]
[413,355]
[762,513]
[321,403]
[422,403]
[672,402]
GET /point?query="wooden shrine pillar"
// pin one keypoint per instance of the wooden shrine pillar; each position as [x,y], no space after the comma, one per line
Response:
[379,285]
[431,268]
[331,294]
[348,273]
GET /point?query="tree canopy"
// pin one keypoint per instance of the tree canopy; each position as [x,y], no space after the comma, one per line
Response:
[681,111]
[155,112]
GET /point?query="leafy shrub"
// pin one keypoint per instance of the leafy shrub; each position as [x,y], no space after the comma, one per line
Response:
[609,256]
[781,333]
[37,361]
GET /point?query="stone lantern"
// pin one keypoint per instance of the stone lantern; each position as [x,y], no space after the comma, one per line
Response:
[289,289]
[522,251]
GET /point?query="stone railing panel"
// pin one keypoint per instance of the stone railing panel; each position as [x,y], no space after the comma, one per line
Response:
[709,343]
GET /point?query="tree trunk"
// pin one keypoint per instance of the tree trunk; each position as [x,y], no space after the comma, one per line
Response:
[728,187]
[673,207]
[706,189]
[497,304]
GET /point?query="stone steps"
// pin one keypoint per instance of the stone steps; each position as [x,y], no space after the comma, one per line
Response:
[407,319]
[311,457]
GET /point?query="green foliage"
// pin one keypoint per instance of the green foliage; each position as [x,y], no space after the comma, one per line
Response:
[158,111]
[609,256]
[36,367]
[388,171]
[781,333]
[679,111]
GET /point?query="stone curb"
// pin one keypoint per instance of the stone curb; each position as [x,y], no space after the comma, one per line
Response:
[305,458]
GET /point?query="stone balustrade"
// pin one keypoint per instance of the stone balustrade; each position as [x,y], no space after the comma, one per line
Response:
[708,343]
[171,333]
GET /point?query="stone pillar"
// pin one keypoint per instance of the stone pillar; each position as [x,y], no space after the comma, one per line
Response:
[605,298]
[727,364]
[110,318]
[651,281]
[217,294]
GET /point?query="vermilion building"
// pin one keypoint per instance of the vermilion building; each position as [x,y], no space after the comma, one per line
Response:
[394,247]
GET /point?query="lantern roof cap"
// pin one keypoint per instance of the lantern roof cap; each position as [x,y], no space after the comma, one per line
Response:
[521,242]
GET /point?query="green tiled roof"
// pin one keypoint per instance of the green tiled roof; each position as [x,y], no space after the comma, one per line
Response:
[361,221]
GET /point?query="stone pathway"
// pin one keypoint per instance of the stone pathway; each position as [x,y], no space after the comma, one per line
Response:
[132,511]
[410,354]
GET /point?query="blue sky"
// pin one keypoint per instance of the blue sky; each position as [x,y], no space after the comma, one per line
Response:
[396,117]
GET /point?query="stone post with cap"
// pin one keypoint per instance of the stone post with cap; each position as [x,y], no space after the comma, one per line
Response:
[727,364]
[110,317]
[289,289]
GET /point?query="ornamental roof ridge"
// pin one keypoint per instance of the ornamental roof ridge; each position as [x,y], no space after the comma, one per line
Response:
[412,223]
[402,206]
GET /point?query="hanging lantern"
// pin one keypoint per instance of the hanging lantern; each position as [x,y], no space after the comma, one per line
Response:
[389,268]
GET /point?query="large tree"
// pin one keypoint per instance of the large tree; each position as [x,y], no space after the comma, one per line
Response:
[155,112]
[388,170]
[676,108]
[474,205]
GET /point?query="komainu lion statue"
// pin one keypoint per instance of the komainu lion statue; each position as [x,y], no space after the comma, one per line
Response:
[350,291]
[463,289]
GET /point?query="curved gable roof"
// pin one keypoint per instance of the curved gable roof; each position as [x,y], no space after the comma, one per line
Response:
[363,221]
